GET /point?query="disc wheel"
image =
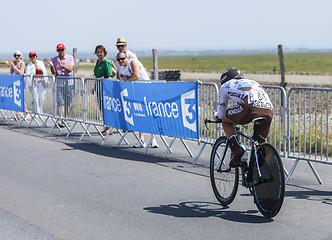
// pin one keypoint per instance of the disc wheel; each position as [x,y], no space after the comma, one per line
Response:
[269,196]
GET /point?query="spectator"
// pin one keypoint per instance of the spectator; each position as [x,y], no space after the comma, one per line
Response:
[62,65]
[131,70]
[103,69]
[37,67]
[17,67]
[122,47]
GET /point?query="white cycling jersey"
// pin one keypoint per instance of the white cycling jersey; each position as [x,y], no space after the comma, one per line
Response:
[238,89]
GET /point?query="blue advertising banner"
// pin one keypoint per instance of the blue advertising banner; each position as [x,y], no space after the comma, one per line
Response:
[12,92]
[169,109]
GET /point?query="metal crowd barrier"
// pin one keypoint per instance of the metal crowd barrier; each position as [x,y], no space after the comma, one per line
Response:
[69,94]
[93,104]
[277,136]
[39,100]
[93,101]
[309,126]
[208,98]
[306,134]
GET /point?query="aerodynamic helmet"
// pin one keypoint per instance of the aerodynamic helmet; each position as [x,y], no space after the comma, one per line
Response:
[232,73]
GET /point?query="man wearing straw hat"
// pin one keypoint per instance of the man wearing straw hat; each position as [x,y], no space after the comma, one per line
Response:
[121,45]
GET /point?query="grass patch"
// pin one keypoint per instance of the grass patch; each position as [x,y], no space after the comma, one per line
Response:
[300,62]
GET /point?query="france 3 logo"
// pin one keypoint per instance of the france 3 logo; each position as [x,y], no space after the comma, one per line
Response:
[126,107]
[189,110]
[17,93]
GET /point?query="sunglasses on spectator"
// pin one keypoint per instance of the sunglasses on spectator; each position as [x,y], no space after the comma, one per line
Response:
[16,55]
[31,56]
[120,45]
[119,59]
[60,50]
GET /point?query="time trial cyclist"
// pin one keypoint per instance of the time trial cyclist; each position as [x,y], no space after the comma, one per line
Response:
[251,102]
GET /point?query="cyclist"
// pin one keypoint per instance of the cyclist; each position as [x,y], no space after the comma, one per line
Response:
[251,102]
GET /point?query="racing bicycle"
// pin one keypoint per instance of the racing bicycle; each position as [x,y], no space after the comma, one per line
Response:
[264,176]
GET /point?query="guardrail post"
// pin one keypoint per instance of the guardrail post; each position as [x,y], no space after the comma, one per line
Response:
[282,66]
[155,64]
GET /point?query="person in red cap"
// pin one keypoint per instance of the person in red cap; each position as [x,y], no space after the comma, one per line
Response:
[63,65]
[36,67]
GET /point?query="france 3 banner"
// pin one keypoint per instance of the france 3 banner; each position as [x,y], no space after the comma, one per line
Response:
[12,92]
[169,109]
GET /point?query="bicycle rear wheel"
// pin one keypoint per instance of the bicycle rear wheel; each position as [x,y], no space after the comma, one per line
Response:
[269,196]
[224,180]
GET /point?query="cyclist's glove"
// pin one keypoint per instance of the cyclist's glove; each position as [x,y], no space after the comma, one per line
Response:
[215,116]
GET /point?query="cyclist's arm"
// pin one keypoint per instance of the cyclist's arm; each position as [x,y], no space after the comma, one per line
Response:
[223,104]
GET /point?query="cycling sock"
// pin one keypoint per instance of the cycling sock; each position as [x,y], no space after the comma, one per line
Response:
[235,145]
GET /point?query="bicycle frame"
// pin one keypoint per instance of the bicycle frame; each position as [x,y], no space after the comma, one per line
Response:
[254,147]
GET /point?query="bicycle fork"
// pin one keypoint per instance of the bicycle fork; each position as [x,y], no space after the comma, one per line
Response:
[257,163]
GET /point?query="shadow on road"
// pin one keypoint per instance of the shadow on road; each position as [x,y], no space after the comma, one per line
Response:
[124,154]
[306,193]
[207,209]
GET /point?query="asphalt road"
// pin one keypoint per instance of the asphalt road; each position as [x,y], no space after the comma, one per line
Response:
[54,187]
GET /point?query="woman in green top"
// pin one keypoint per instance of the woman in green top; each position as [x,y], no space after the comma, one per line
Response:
[103,69]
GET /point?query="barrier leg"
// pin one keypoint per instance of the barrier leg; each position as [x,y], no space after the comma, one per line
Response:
[23,119]
[85,131]
[199,153]
[109,132]
[186,146]
[12,115]
[33,118]
[44,123]
[123,138]
[169,147]
[83,126]
[71,129]
[99,132]
[315,172]
[292,170]
[285,171]
[55,124]
[36,120]
[166,144]
[3,115]
[66,126]
[137,138]
[149,144]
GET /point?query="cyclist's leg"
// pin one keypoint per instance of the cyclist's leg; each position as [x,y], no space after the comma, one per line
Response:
[262,129]
[260,134]
[235,115]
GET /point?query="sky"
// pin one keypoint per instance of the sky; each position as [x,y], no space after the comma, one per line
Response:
[40,25]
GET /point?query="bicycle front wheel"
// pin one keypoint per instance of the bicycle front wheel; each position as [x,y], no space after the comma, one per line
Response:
[269,195]
[224,180]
